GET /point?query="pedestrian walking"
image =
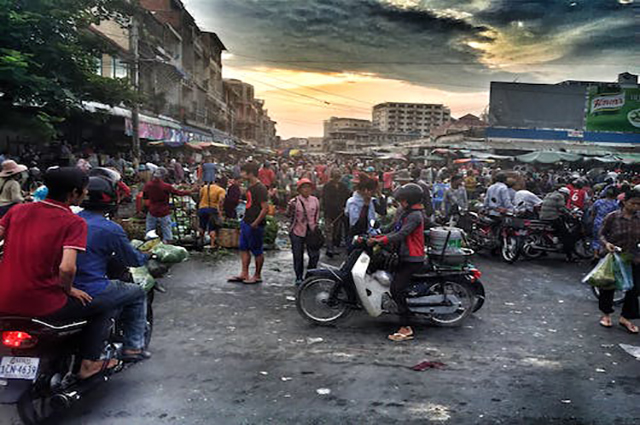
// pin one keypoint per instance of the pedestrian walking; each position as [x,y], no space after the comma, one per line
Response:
[621,232]
[601,209]
[304,212]
[334,199]
[360,208]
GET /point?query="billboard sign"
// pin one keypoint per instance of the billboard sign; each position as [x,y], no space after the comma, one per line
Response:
[614,111]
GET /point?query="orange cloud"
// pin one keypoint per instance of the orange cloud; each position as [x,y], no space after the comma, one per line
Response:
[300,101]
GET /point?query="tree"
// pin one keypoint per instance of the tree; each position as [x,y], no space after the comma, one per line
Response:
[48,59]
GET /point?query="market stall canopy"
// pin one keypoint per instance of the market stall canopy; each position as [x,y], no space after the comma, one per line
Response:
[607,159]
[432,158]
[548,157]
[487,155]
[630,158]
[472,160]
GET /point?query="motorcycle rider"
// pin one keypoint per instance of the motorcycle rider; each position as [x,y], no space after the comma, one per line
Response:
[554,210]
[408,234]
[498,199]
[107,242]
[42,241]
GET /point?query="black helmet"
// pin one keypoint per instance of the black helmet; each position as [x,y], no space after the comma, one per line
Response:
[410,192]
[101,195]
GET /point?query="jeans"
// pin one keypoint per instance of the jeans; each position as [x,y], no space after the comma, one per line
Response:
[130,301]
[630,307]
[297,247]
[165,226]
[94,334]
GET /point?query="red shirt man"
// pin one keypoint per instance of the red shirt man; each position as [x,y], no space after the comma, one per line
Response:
[158,194]
[35,236]
[267,176]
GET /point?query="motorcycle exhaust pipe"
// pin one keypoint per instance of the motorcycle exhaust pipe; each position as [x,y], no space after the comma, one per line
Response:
[65,399]
[543,248]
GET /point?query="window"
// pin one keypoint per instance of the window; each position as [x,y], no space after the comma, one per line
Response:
[99,66]
[119,68]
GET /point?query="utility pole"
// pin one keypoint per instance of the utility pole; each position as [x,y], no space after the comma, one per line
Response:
[135,111]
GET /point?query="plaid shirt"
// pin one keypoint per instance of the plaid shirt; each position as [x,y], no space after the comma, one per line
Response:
[622,232]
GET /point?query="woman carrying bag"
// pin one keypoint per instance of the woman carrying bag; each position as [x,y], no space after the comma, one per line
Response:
[304,211]
[621,232]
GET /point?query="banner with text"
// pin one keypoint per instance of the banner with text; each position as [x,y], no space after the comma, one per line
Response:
[614,111]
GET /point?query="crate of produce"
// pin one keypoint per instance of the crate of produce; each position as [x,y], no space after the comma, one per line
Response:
[134,227]
[228,238]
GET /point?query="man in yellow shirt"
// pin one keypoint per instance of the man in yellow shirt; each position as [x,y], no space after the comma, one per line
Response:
[210,210]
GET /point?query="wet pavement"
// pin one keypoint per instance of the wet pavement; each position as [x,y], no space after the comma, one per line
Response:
[232,354]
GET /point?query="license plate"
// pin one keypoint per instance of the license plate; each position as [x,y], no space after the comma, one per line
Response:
[19,368]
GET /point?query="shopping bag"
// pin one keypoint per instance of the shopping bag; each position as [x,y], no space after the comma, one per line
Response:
[623,273]
[603,275]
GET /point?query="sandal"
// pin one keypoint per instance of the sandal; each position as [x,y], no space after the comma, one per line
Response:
[399,337]
[606,323]
[236,279]
[252,281]
[630,327]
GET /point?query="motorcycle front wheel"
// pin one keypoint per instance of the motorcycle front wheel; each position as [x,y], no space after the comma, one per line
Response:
[510,249]
[322,301]
[465,296]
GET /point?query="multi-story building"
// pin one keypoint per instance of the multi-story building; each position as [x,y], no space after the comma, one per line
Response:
[250,120]
[346,134]
[316,144]
[415,119]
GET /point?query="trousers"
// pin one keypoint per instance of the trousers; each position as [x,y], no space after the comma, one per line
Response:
[630,306]
[298,244]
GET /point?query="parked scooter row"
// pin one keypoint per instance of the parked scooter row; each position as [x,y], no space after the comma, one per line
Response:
[513,237]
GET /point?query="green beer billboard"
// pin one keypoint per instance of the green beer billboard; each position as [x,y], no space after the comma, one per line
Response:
[613,110]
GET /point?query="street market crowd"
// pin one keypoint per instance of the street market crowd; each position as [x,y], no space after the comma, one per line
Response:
[324,200]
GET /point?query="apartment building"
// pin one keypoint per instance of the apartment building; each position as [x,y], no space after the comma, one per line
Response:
[346,134]
[415,119]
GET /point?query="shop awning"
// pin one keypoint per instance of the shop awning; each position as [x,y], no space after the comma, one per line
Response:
[548,157]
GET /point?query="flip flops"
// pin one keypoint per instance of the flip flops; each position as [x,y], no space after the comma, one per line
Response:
[236,279]
[252,281]
[399,337]
[629,326]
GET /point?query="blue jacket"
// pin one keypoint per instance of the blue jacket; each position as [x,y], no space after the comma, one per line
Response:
[354,207]
[105,239]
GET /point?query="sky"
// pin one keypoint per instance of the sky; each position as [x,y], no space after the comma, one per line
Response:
[313,59]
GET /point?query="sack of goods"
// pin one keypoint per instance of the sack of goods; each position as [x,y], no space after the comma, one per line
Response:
[170,254]
[446,246]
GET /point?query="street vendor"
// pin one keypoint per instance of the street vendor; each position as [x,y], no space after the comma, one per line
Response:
[157,193]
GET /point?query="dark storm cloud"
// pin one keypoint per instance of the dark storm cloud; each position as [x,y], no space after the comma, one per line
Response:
[356,35]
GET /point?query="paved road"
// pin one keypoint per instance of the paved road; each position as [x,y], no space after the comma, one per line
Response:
[229,354]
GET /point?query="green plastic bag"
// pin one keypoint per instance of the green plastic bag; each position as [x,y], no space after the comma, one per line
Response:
[170,254]
[603,274]
[142,277]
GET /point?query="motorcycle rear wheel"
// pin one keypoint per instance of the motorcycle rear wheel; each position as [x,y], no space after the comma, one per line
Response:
[313,301]
[467,298]
[34,410]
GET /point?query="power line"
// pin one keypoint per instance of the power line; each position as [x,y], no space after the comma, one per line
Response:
[323,91]
[436,63]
